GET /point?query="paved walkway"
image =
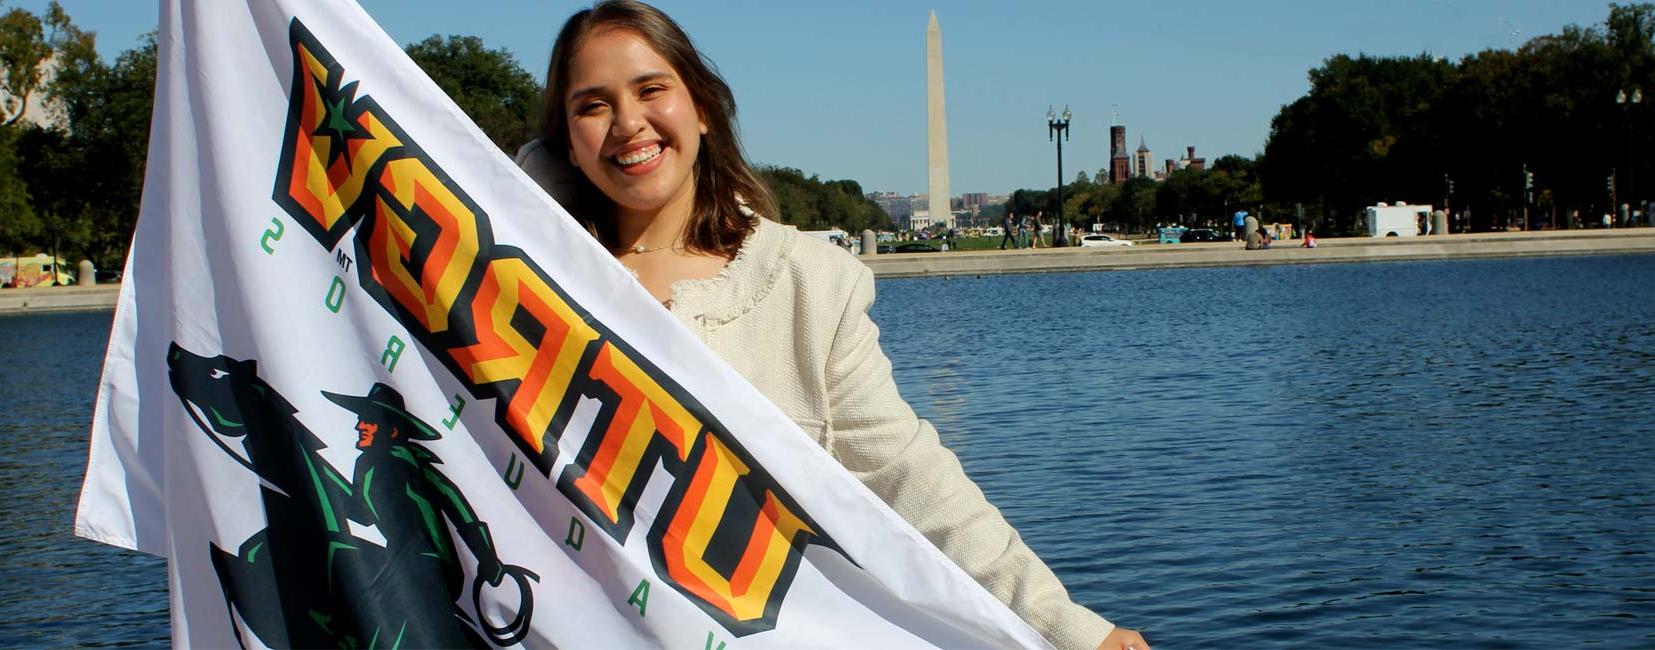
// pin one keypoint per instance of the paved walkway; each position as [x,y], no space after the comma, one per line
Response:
[44,299]
[1350,249]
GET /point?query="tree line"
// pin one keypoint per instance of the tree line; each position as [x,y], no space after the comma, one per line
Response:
[1552,131]
[72,188]
[1549,130]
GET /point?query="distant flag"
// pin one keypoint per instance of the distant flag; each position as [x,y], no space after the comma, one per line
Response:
[368,386]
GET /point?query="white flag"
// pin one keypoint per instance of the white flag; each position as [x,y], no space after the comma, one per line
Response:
[368,386]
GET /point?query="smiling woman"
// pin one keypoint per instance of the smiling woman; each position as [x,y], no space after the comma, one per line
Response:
[632,103]
[640,144]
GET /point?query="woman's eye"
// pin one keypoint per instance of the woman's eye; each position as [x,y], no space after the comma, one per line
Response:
[589,108]
[652,90]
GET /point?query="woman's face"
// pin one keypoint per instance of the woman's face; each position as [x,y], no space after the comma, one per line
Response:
[633,127]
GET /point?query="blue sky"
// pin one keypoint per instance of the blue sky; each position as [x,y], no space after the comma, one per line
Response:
[838,88]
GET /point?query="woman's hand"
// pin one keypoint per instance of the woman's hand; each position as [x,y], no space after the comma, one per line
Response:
[1124,639]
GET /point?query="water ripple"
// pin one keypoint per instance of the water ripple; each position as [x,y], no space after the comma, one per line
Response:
[1431,454]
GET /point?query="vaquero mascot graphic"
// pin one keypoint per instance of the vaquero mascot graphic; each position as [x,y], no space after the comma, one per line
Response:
[305,581]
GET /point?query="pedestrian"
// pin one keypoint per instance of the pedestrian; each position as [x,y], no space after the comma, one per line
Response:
[1023,232]
[1008,230]
[1034,228]
[1240,221]
[692,209]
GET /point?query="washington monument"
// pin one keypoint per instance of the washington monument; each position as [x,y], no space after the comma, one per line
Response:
[936,126]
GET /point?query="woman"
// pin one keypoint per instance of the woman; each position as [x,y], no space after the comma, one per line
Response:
[633,106]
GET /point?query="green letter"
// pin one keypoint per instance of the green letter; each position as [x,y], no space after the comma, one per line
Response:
[336,295]
[640,597]
[514,481]
[272,234]
[454,411]
[393,354]
[577,535]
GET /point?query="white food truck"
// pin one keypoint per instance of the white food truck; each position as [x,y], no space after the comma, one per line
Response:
[1399,220]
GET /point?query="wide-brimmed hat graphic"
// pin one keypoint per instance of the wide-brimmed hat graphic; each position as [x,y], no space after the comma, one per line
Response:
[384,404]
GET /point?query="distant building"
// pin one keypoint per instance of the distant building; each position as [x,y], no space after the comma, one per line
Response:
[899,206]
[973,202]
[1189,161]
[1120,166]
[1141,164]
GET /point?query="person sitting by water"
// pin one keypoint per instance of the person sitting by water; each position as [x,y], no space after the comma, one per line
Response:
[1309,239]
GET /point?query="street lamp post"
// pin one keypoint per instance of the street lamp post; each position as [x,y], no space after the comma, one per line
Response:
[1627,100]
[1056,126]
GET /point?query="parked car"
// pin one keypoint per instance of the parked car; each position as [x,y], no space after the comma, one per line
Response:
[1096,240]
[883,249]
[1201,235]
[915,247]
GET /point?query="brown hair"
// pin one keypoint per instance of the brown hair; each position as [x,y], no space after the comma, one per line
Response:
[723,180]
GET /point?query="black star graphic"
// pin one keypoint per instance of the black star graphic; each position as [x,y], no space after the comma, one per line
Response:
[339,120]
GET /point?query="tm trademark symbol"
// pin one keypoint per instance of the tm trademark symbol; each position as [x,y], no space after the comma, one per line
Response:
[343,260]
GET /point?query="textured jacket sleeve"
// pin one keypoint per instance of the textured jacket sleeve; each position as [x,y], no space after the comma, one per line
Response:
[875,434]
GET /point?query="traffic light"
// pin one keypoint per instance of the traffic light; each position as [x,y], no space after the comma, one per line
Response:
[1611,183]
[1528,180]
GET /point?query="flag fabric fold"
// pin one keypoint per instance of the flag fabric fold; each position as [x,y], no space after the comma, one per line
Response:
[368,386]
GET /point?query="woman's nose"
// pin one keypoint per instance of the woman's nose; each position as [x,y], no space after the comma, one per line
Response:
[629,119]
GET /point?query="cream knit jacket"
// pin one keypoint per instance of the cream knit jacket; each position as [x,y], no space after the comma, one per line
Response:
[790,313]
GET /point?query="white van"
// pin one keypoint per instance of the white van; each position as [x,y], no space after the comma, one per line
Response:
[1400,220]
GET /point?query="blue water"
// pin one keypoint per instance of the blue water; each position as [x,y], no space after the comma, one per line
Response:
[1421,455]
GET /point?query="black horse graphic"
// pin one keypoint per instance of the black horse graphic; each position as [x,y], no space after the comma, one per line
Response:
[304,580]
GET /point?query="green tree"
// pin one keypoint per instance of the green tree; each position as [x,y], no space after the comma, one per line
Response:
[27,44]
[813,204]
[19,227]
[488,85]
[85,180]
[23,50]
[1027,202]
[1400,128]
[1135,206]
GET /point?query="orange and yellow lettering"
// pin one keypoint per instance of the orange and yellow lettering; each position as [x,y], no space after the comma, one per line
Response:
[744,594]
[323,182]
[430,291]
[645,413]
[502,353]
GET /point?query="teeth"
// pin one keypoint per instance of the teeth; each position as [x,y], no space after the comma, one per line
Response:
[640,156]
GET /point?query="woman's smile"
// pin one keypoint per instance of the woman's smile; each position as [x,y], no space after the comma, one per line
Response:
[637,160]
